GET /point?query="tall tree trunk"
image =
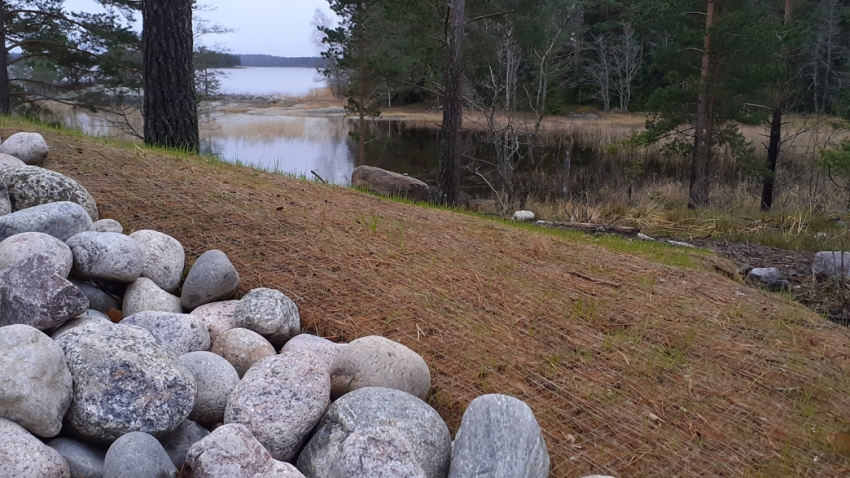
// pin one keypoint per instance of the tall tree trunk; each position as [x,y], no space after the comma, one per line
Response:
[5,90]
[361,88]
[170,107]
[696,192]
[449,174]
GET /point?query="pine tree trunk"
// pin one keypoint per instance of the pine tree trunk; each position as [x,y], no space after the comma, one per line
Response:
[696,192]
[170,108]
[361,88]
[5,90]
[449,173]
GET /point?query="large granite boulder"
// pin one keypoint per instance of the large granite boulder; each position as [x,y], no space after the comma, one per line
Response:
[84,460]
[381,452]
[36,386]
[86,318]
[269,313]
[215,380]
[389,183]
[280,399]
[58,219]
[499,437]
[179,333]
[33,186]
[178,442]
[212,278]
[25,456]
[124,381]
[370,407]
[325,350]
[20,247]
[219,317]
[830,264]
[375,361]
[143,295]
[137,455]
[5,202]
[164,258]
[31,148]
[231,451]
[106,256]
[242,348]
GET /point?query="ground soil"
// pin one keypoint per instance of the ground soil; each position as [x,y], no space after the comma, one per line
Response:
[637,359]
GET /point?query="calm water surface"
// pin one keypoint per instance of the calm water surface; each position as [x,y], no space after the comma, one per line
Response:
[270,81]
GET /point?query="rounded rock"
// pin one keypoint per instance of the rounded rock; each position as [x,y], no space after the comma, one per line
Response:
[106,256]
[99,299]
[84,460]
[381,452]
[7,161]
[107,225]
[324,349]
[33,186]
[31,148]
[232,451]
[242,348]
[375,361]
[179,333]
[178,442]
[212,278]
[164,258]
[137,455]
[218,316]
[20,247]
[215,380]
[23,455]
[86,318]
[59,219]
[269,313]
[143,295]
[5,202]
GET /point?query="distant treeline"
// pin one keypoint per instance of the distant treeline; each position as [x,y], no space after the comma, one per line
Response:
[205,59]
[279,61]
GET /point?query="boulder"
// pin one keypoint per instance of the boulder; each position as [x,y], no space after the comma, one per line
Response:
[219,317]
[23,455]
[5,202]
[164,258]
[827,264]
[144,295]
[106,256]
[28,147]
[58,219]
[137,455]
[211,278]
[523,216]
[107,225]
[242,348]
[767,275]
[381,452]
[324,350]
[375,361]
[499,437]
[178,442]
[7,161]
[370,407]
[32,294]
[33,186]
[179,333]
[86,318]
[124,381]
[20,247]
[84,460]
[389,183]
[215,380]
[99,297]
[36,386]
[280,399]
[269,313]
[231,451]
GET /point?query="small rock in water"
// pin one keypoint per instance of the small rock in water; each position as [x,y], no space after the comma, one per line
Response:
[523,216]
[231,451]
[375,361]
[269,313]
[381,452]
[33,186]
[31,148]
[178,442]
[180,333]
[23,455]
[107,225]
[84,460]
[143,295]
[219,317]
[20,247]
[242,348]
[215,380]
[212,278]
[58,219]
[106,256]
[137,455]
[164,258]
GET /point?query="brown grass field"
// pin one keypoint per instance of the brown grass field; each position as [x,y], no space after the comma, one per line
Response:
[638,360]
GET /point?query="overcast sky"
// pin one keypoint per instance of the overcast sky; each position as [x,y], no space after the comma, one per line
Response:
[272,27]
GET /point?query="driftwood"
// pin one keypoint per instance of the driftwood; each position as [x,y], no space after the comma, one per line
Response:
[586,227]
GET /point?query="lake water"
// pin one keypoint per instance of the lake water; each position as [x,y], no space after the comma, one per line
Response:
[270,81]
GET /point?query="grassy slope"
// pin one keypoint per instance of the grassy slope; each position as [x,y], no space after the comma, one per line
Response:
[637,360]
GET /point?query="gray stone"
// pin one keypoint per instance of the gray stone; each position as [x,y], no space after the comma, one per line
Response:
[144,295]
[215,380]
[5,202]
[99,299]
[369,407]
[25,456]
[106,256]
[218,316]
[269,313]
[381,452]
[36,384]
[7,161]
[280,399]
[211,278]
[279,469]
[107,225]
[389,183]
[767,275]
[58,219]
[84,460]
[325,350]
[32,294]
[86,318]
[242,348]
[827,264]
[124,381]
[137,455]
[20,247]
[28,147]
[178,442]
[231,451]
[375,361]
[523,216]
[499,437]
[33,186]
[180,333]
[164,258]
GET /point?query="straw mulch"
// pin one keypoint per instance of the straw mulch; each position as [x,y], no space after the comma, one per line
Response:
[633,368]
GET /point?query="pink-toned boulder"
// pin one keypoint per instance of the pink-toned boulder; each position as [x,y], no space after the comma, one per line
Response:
[389,183]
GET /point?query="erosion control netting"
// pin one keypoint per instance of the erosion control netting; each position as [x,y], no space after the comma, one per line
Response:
[633,368]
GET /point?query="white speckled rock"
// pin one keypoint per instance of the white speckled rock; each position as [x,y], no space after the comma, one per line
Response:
[164,258]
[218,316]
[381,452]
[106,256]
[242,348]
[280,399]
[7,161]
[499,437]
[5,202]
[215,380]
[144,295]
[84,460]
[369,407]
[28,147]
[178,442]
[269,313]
[324,349]
[180,333]
[58,219]
[375,361]
[33,186]
[107,225]
[137,455]
[231,451]
[124,381]
[86,318]
[20,247]
[25,456]
[36,386]
[829,264]
[212,278]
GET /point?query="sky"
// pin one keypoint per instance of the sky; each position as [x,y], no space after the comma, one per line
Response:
[271,27]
